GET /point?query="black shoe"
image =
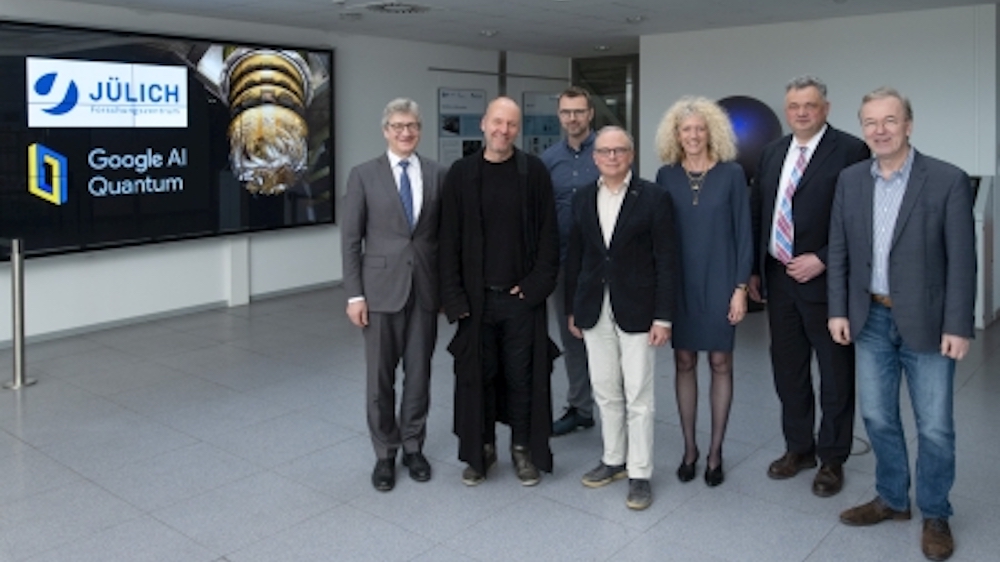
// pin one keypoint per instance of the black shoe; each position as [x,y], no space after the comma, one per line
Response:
[527,473]
[603,475]
[686,472]
[640,494]
[570,422]
[384,475]
[420,469]
[471,476]
[714,476]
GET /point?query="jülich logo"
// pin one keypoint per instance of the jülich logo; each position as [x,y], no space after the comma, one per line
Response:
[43,87]
[66,93]
[47,174]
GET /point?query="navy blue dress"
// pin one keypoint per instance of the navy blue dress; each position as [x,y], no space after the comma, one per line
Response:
[716,253]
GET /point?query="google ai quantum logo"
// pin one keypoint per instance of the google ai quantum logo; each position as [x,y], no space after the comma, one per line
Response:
[47,174]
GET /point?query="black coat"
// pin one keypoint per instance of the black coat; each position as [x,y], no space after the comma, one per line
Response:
[810,205]
[463,295]
[638,269]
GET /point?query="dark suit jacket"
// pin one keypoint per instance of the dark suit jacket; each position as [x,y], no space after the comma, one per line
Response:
[383,261]
[932,260]
[810,204]
[638,268]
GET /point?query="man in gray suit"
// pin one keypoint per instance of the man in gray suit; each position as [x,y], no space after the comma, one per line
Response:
[389,231]
[902,284]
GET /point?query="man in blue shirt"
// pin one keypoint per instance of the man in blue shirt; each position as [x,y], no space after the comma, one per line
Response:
[571,165]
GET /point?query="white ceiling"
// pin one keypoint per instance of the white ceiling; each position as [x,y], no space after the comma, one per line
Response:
[554,27]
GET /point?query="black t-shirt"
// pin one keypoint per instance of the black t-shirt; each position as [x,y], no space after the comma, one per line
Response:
[503,247]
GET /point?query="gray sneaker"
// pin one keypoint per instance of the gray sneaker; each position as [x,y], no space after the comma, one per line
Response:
[604,475]
[526,471]
[640,495]
[471,476]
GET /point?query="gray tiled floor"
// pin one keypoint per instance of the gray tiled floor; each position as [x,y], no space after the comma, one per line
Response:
[238,435]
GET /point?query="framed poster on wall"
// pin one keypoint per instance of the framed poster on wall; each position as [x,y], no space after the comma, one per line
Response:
[541,127]
[460,111]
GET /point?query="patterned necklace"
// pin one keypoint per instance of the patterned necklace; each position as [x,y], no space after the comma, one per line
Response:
[695,180]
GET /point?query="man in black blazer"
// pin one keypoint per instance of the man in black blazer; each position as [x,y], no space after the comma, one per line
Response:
[791,203]
[389,236]
[903,288]
[620,268]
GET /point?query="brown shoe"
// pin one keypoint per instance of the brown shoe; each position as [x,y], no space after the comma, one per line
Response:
[829,480]
[871,513]
[790,464]
[936,541]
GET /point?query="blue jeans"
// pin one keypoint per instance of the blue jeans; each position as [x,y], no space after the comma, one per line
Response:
[882,359]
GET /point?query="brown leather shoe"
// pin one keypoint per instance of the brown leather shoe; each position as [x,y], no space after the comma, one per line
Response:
[871,513]
[790,464]
[936,541]
[829,480]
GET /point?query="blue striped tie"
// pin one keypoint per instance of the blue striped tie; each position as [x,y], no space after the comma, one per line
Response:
[406,192]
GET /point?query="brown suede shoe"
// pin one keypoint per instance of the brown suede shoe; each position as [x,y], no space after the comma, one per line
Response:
[829,480]
[790,464]
[871,513]
[936,541]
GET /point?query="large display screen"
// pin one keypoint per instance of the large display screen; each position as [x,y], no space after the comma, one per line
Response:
[110,139]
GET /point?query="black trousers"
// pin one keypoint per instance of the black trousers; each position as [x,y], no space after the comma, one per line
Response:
[507,337]
[799,328]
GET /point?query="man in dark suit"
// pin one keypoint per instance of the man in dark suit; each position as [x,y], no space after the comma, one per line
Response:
[792,196]
[389,235]
[620,268]
[902,273]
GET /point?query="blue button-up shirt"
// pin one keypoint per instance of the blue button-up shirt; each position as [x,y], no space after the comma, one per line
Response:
[885,209]
[570,170]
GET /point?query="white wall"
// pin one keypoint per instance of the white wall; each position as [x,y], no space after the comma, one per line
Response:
[68,293]
[944,60]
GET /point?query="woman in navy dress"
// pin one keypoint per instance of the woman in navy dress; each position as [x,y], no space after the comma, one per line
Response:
[695,141]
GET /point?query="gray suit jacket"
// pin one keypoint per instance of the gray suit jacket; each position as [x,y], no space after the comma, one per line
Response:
[932,260]
[383,260]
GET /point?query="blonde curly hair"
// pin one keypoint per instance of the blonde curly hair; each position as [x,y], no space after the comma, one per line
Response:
[721,138]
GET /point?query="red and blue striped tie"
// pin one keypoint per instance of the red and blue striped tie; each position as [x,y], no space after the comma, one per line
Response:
[784,230]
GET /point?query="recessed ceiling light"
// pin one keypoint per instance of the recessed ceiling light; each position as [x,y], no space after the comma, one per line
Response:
[488,32]
[602,48]
[635,19]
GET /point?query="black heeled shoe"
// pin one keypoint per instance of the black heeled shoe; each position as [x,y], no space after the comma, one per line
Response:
[686,472]
[714,476]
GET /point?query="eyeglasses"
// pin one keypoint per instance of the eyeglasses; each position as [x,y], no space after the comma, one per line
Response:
[573,112]
[612,152]
[413,127]
[887,123]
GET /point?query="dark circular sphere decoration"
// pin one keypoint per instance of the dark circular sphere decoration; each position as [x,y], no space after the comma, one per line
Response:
[755,125]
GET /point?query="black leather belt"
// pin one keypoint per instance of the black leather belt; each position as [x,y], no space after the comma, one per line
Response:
[499,289]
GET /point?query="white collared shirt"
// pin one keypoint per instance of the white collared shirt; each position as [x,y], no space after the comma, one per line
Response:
[416,179]
[609,204]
